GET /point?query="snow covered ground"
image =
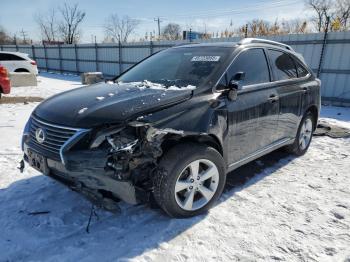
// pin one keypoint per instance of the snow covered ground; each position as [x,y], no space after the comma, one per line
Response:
[276,208]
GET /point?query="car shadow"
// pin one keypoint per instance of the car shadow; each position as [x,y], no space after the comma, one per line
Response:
[248,174]
[46,219]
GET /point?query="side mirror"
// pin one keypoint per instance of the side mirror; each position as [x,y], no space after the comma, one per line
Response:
[239,76]
[234,85]
[234,81]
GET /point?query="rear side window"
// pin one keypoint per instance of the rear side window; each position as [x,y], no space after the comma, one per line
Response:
[3,57]
[253,63]
[300,69]
[10,57]
[282,65]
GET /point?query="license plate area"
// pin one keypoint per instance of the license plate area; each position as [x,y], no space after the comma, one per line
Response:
[37,161]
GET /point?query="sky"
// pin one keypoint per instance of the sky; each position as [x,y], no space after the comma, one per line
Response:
[199,15]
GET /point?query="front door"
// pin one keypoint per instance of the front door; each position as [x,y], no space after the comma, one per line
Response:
[253,116]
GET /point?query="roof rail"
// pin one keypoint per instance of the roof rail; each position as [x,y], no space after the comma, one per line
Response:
[186,43]
[264,41]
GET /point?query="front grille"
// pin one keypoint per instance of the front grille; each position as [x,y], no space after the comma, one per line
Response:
[55,136]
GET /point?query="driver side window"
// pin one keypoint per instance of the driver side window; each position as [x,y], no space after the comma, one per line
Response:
[253,63]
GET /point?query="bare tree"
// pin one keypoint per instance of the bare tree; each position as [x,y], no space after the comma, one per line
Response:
[275,28]
[258,27]
[294,26]
[343,13]
[323,9]
[48,25]
[72,17]
[120,28]
[171,31]
[4,37]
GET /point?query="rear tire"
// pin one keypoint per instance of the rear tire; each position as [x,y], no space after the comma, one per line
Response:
[304,135]
[190,180]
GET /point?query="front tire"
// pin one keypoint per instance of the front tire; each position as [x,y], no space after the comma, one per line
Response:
[304,135]
[190,180]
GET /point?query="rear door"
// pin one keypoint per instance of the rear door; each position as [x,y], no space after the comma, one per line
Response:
[288,90]
[253,115]
[19,62]
[310,90]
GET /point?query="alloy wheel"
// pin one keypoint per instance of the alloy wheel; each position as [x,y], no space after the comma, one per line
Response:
[196,184]
[305,134]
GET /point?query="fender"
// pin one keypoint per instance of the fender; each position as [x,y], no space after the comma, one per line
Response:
[203,115]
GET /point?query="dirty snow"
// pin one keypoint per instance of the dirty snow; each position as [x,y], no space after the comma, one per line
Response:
[291,209]
[148,84]
[335,116]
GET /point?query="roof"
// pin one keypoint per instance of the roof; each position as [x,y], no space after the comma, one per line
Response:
[13,53]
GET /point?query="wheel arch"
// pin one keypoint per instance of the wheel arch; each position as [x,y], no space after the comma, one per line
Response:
[19,70]
[208,139]
[315,113]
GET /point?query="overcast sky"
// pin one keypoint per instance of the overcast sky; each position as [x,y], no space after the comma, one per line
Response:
[213,15]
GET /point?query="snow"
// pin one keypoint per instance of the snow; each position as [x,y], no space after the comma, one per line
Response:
[148,84]
[81,111]
[291,209]
[337,115]
[48,85]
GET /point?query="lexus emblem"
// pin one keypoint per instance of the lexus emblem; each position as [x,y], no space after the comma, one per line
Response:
[40,135]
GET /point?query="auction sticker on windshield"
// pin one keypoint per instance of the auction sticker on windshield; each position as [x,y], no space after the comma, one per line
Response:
[206,58]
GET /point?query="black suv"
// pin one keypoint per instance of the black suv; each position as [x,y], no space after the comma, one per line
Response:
[171,127]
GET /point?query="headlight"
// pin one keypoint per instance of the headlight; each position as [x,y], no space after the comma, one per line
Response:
[26,133]
[103,134]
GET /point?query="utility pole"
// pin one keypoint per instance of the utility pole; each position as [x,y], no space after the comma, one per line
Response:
[158,21]
[319,70]
[246,31]
[24,35]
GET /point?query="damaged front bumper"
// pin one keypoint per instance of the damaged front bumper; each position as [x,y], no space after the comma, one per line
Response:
[85,171]
[119,160]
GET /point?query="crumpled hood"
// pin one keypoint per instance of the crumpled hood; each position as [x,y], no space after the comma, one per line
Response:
[105,103]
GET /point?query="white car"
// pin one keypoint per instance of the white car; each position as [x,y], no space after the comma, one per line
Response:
[18,62]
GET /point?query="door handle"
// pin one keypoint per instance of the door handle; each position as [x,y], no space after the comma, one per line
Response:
[305,90]
[273,98]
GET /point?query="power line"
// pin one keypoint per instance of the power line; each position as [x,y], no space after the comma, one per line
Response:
[251,6]
[219,12]
[265,6]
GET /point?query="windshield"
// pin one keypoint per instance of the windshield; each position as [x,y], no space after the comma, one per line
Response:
[180,67]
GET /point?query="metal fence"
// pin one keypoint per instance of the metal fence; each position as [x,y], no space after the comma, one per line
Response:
[112,59]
